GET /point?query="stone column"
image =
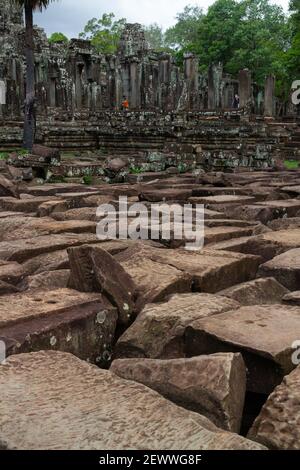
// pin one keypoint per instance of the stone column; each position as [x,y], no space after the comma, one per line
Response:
[215,73]
[269,96]
[245,87]
[191,76]
[2,97]
[135,86]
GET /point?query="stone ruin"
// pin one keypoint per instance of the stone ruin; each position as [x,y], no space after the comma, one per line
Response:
[177,117]
[207,341]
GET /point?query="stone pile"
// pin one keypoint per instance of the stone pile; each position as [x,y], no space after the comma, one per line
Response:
[117,344]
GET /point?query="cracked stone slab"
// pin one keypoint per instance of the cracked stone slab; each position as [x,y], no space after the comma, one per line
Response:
[213,386]
[23,250]
[61,319]
[54,401]
[285,268]
[158,331]
[278,424]
[210,271]
[256,292]
[263,334]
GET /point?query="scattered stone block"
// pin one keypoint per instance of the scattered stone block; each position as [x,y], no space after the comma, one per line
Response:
[263,334]
[11,272]
[278,424]
[292,299]
[93,407]
[158,331]
[256,292]
[285,268]
[23,250]
[61,319]
[50,280]
[95,270]
[8,188]
[213,386]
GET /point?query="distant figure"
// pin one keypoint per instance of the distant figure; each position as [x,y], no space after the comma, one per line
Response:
[236,102]
[125,104]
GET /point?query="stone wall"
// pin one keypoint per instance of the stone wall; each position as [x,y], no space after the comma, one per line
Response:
[75,80]
[174,111]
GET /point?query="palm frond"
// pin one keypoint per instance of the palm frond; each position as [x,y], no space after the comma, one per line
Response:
[35,4]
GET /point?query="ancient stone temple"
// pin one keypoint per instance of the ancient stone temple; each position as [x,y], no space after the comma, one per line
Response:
[172,108]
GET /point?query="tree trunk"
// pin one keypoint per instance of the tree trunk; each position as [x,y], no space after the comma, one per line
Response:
[29,122]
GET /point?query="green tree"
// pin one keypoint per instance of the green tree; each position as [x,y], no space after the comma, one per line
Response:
[104,33]
[260,40]
[292,58]
[58,37]
[155,36]
[183,35]
[29,120]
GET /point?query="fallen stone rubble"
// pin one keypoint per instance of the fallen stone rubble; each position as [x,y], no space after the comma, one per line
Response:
[117,344]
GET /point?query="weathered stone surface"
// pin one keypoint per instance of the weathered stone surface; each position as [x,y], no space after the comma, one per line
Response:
[7,188]
[22,250]
[80,213]
[263,334]
[6,288]
[213,386]
[254,212]
[224,199]
[159,329]
[284,224]
[58,260]
[278,424]
[29,227]
[116,165]
[62,319]
[209,270]
[267,245]
[96,410]
[49,280]
[54,261]
[290,207]
[11,272]
[157,195]
[45,152]
[285,268]
[28,204]
[293,298]
[154,278]
[256,292]
[95,270]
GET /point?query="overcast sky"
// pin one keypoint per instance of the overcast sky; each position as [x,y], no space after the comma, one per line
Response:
[70,16]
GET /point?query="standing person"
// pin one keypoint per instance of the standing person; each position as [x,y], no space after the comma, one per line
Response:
[125,104]
[236,101]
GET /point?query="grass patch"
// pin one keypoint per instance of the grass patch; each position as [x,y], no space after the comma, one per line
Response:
[291,164]
[87,180]
[5,154]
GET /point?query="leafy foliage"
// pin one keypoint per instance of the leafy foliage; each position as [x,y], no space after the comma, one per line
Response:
[58,37]
[104,33]
[155,37]
[184,35]
[35,4]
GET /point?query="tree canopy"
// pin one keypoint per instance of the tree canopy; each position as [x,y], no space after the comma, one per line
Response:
[104,33]
[253,34]
[58,37]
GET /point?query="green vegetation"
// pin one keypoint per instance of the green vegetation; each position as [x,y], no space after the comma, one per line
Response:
[58,37]
[253,34]
[136,170]
[104,33]
[5,154]
[292,164]
[87,180]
